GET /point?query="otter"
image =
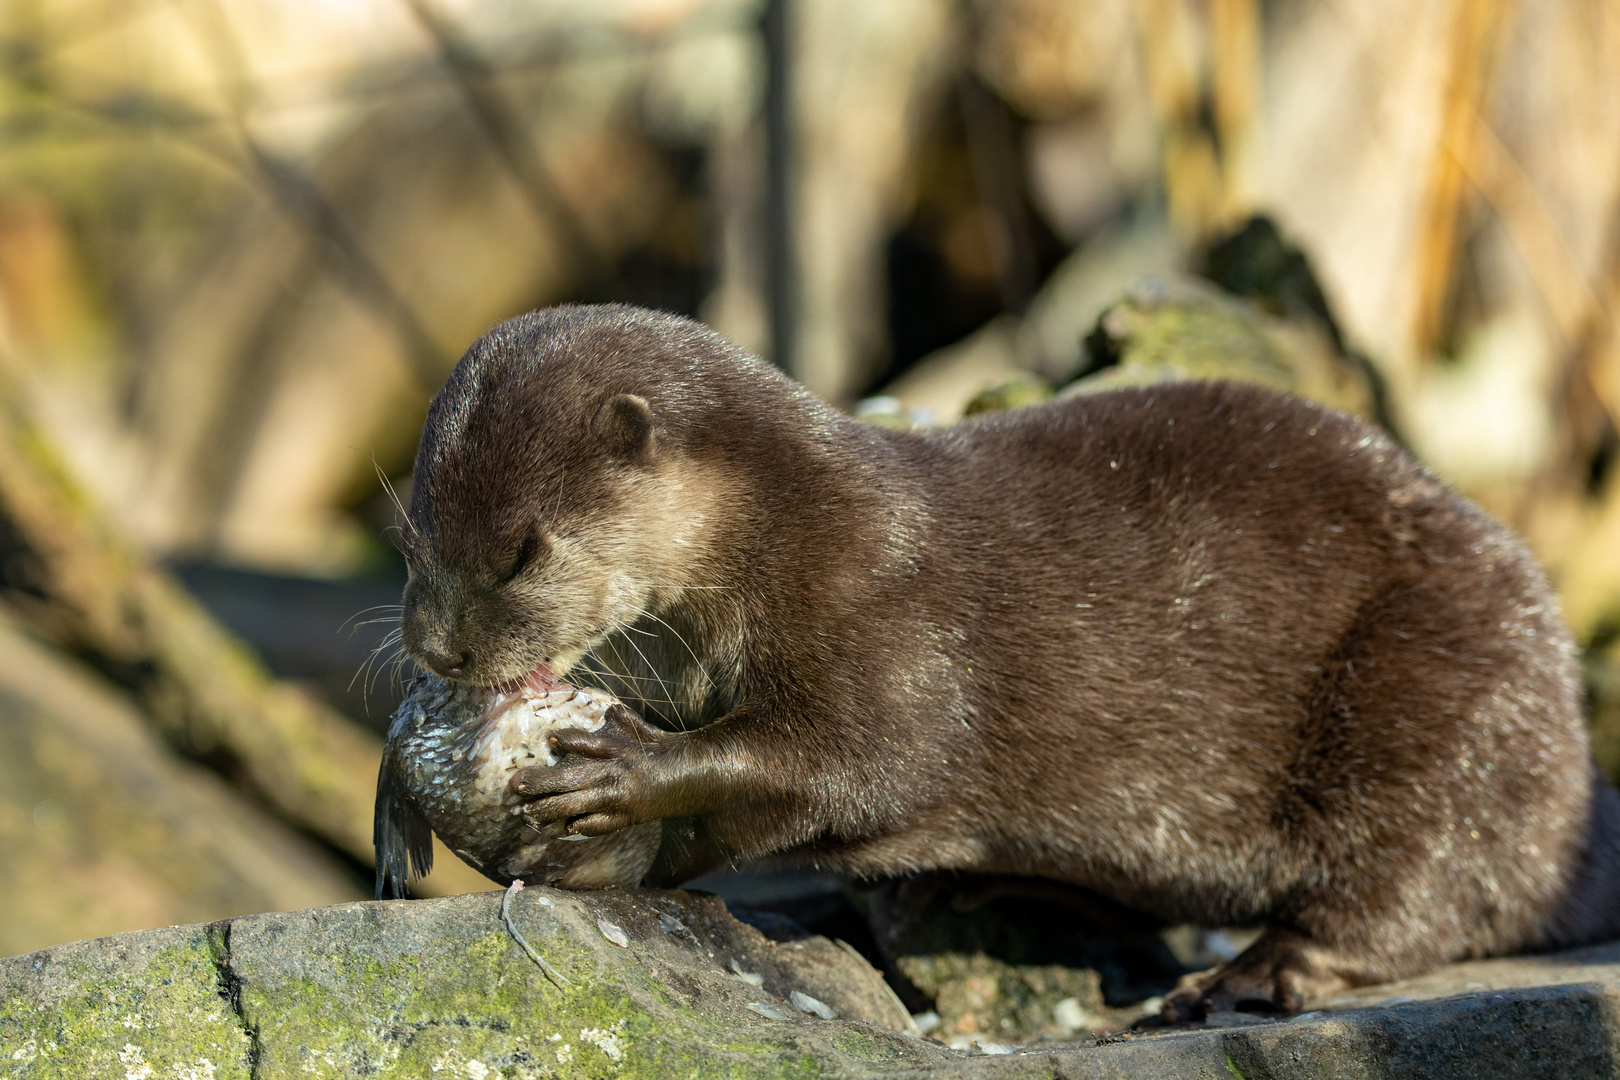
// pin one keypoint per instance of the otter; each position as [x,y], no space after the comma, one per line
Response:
[1210,652]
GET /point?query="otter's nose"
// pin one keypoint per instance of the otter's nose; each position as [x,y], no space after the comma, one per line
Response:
[451,667]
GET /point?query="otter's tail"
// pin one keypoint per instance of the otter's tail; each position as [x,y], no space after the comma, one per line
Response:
[1591,911]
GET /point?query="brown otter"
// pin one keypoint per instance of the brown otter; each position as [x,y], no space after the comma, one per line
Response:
[1217,654]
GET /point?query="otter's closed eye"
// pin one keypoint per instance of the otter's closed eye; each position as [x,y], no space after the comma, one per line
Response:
[536,545]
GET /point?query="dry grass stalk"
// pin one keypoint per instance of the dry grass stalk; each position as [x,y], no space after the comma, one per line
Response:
[1235,80]
[1207,173]
[1171,47]
[1493,169]
[1477,31]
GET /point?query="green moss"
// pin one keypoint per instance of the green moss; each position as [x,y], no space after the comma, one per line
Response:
[402,991]
[1012,394]
[1191,335]
[1207,342]
[863,1046]
[162,1016]
[487,1014]
[38,451]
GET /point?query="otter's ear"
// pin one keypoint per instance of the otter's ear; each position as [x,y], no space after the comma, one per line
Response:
[624,424]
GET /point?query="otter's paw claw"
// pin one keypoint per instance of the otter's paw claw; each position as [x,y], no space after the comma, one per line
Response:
[1220,990]
[602,780]
[621,729]
[1273,976]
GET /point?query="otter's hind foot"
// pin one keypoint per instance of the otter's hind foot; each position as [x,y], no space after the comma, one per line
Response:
[1275,975]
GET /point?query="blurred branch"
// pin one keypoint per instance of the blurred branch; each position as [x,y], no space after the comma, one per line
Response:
[79,586]
[475,78]
[1582,314]
[299,195]
[344,254]
[1203,82]
[88,21]
[297,88]
[1493,169]
[1235,77]
[781,253]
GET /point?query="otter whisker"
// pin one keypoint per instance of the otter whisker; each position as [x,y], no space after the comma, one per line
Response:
[623,676]
[684,644]
[393,496]
[675,710]
[396,608]
[402,677]
[373,622]
[644,688]
[397,539]
[623,672]
[388,640]
[591,679]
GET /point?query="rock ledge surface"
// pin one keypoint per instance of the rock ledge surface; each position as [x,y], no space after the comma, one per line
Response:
[438,988]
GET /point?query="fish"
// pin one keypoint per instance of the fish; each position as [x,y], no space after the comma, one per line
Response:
[447,768]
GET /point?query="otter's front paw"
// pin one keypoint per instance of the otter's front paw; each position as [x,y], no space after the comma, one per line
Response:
[603,780]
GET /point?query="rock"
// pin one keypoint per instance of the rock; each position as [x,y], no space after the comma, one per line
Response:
[1016,960]
[104,829]
[438,988]
[1050,339]
[977,996]
[937,388]
[1174,328]
[148,1003]
[1166,326]
[413,988]
[1044,347]
[1012,394]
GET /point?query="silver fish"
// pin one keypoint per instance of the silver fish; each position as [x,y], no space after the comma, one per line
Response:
[447,769]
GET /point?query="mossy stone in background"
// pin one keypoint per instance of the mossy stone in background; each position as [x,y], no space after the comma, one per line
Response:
[1169,329]
[997,957]
[1012,394]
[1602,669]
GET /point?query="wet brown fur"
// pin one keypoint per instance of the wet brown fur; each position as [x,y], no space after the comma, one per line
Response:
[1217,654]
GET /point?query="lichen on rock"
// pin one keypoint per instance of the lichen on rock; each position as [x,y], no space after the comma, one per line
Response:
[145,1005]
[439,988]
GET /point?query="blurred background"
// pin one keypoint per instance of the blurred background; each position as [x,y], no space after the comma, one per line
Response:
[243,241]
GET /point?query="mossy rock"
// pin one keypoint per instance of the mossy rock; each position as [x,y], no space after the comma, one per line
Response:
[149,1004]
[439,988]
[1166,330]
[996,957]
[1012,394]
[977,995]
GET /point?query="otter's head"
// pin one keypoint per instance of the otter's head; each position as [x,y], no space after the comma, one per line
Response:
[556,495]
